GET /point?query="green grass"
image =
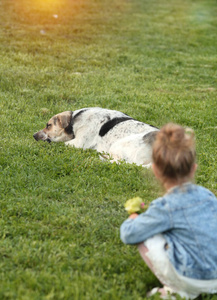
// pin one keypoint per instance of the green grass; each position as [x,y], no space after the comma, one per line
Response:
[61,208]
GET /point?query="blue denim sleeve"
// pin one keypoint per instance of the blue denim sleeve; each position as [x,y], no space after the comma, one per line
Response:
[157,219]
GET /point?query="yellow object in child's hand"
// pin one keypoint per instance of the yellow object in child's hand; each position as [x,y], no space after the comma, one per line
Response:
[135,205]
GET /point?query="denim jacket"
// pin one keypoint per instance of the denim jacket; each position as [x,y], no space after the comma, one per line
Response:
[187,217]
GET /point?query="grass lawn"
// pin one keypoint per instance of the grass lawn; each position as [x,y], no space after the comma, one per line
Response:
[61,208]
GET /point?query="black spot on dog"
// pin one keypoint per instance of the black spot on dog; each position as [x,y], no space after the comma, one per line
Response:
[153,126]
[150,137]
[69,128]
[78,114]
[111,123]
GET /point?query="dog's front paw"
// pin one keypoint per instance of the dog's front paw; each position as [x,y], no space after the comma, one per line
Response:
[69,143]
[147,166]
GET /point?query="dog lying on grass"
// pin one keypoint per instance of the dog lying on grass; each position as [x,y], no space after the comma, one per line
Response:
[112,133]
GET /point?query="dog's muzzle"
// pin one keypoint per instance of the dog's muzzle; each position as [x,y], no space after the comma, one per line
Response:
[39,137]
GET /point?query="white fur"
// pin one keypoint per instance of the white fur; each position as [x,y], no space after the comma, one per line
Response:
[123,142]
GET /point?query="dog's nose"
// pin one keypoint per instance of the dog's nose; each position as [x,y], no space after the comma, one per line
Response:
[35,136]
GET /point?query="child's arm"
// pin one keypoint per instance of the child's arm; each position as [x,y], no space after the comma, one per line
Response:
[138,228]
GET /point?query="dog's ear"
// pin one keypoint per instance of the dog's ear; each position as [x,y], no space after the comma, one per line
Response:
[65,120]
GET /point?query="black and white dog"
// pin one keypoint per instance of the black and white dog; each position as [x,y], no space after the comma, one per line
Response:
[112,133]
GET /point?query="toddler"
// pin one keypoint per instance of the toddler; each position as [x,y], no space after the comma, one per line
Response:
[177,235]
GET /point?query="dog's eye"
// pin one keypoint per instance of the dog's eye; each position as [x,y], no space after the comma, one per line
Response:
[48,126]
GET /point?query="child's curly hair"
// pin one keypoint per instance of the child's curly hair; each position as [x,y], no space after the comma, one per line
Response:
[174,152]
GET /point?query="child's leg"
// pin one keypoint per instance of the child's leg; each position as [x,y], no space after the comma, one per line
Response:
[143,250]
[153,252]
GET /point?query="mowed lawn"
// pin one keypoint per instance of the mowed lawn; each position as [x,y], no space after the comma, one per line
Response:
[61,208]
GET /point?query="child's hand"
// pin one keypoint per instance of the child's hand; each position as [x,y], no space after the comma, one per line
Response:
[133,216]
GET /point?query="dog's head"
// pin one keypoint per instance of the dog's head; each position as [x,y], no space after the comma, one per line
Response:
[58,129]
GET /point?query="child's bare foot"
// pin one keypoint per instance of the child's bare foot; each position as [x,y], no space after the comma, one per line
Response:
[165,292]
